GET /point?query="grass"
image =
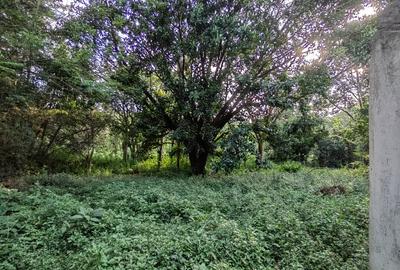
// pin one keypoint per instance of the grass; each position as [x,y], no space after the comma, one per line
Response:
[269,220]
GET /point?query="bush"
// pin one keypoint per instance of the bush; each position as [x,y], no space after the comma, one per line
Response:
[235,149]
[16,140]
[61,180]
[293,138]
[290,166]
[334,152]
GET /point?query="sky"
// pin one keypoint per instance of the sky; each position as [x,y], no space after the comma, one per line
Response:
[368,11]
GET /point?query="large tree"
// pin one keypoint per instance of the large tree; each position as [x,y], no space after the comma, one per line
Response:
[213,59]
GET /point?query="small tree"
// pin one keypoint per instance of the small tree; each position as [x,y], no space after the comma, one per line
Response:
[302,93]
[236,147]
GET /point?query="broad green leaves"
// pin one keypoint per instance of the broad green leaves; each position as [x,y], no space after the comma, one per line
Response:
[248,221]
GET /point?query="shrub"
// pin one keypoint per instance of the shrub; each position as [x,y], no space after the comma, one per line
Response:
[235,149]
[16,140]
[62,180]
[290,166]
[334,152]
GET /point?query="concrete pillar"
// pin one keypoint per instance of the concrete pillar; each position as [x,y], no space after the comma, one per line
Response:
[385,143]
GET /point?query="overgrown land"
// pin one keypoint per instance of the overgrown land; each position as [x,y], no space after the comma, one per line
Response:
[185,134]
[311,219]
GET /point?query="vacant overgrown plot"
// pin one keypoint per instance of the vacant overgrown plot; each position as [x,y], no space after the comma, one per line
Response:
[271,220]
[110,110]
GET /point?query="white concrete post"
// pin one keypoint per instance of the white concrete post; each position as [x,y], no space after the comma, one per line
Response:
[385,143]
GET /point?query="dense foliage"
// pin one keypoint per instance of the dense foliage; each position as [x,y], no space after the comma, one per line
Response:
[87,80]
[308,220]
[235,149]
[155,90]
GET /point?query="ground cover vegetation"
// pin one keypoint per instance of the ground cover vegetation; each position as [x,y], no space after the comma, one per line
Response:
[265,220]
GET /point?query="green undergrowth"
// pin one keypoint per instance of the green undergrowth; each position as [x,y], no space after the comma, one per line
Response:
[270,220]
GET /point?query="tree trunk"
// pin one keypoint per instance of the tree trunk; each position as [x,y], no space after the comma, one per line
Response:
[125,151]
[160,150]
[89,159]
[132,150]
[198,160]
[260,152]
[178,155]
[171,153]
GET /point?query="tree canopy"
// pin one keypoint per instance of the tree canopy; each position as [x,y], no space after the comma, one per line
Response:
[186,68]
